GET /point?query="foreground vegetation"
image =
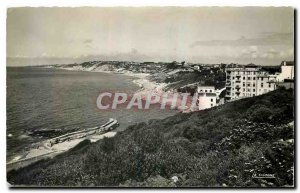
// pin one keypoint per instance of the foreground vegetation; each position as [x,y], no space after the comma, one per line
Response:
[229,145]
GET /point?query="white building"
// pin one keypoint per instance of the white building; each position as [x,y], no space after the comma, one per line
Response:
[248,81]
[265,83]
[287,71]
[197,68]
[207,97]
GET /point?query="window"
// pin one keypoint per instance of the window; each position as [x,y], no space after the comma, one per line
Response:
[253,94]
[248,84]
[212,100]
[211,105]
[248,90]
[205,90]
[253,85]
[253,78]
[244,89]
[249,78]
[243,78]
[262,84]
[210,90]
[233,78]
[269,85]
[253,90]
[262,78]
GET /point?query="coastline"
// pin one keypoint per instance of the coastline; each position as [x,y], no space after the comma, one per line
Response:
[141,79]
[39,151]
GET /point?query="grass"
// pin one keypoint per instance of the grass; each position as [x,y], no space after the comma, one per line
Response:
[221,146]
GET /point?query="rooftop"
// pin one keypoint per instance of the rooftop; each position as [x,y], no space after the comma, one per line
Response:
[206,87]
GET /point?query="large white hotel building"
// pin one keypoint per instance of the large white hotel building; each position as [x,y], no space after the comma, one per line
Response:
[250,80]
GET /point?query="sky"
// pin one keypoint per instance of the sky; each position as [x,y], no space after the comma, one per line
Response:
[264,36]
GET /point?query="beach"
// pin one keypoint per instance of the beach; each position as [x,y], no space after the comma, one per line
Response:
[142,79]
[32,148]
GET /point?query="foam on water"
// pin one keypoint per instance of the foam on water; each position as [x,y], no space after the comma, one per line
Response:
[39,98]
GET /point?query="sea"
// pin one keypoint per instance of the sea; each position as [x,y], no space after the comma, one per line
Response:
[47,98]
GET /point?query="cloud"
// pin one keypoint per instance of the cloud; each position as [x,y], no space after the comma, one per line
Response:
[134,51]
[88,46]
[285,54]
[266,39]
[249,52]
[252,52]
[88,41]
[271,54]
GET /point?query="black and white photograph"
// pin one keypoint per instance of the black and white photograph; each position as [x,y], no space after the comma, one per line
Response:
[150,97]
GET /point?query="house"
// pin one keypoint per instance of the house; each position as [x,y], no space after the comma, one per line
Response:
[197,68]
[207,97]
[287,71]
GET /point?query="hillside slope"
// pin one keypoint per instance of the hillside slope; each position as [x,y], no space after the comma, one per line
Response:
[229,145]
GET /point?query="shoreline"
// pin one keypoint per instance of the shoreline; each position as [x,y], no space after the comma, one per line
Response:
[145,85]
[141,78]
[39,151]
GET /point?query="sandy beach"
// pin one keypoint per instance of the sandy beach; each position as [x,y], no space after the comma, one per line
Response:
[41,150]
[142,79]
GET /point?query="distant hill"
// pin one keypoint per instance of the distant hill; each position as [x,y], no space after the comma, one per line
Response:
[177,76]
[230,145]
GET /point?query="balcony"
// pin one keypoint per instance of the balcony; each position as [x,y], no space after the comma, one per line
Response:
[237,87]
[227,98]
[238,76]
[237,92]
[237,81]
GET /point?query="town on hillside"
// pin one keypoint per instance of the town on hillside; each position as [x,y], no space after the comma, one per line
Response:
[215,84]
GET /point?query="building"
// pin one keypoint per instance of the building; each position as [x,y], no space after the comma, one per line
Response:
[197,68]
[248,81]
[207,97]
[265,83]
[287,71]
